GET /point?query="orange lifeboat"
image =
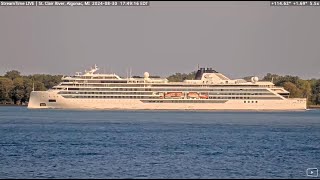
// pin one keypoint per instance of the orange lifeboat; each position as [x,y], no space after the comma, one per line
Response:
[173,95]
[193,95]
[203,96]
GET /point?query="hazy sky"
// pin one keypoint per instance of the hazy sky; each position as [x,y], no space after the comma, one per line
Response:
[235,38]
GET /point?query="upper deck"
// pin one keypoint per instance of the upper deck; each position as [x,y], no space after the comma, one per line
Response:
[206,81]
[203,77]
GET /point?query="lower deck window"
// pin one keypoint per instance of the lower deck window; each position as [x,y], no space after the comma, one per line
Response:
[42,104]
[52,100]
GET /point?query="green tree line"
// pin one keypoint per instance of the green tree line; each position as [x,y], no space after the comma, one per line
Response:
[15,88]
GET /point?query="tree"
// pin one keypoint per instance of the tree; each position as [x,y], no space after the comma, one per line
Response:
[6,85]
[305,87]
[316,92]
[178,77]
[271,77]
[17,92]
[48,80]
[292,88]
[39,86]
[28,85]
[12,74]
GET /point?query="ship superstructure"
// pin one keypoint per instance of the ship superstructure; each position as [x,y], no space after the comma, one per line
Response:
[209,90]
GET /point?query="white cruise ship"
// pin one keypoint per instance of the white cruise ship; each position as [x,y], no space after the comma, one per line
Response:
[210,90]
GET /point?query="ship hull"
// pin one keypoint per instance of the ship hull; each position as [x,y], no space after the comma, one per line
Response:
[40,100]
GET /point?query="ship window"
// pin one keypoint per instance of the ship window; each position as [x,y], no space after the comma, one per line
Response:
[256,101]
[43,104]
[52,100]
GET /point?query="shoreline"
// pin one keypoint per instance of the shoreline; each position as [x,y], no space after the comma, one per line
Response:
[314,107]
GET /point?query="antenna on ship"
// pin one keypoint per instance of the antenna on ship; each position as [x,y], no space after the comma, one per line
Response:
[198,66]
[127,72]
[130,72]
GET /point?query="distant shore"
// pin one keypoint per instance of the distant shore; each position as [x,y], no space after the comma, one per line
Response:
[12,105]
[314,107]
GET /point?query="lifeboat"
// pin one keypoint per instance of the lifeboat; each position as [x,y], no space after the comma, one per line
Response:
[193,95]
[203,96]
[174,95]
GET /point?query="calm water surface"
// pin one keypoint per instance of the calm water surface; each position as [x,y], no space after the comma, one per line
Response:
[155,144]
